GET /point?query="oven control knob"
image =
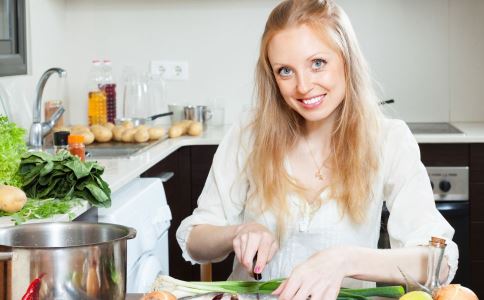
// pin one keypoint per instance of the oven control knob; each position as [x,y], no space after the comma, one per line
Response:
[444,186]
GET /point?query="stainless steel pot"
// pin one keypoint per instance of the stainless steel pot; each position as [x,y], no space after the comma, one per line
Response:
[199,113]
[76,260]
[141,121]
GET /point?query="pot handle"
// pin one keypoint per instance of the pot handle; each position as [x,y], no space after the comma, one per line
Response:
[6,256]
[131,233]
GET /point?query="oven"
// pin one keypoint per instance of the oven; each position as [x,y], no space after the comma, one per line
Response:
[451,194]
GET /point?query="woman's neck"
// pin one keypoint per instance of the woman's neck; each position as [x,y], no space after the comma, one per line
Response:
[320,132]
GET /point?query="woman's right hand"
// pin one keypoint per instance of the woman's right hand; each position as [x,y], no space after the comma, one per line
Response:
[252,238]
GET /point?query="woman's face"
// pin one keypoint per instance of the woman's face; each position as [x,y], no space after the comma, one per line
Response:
[308,71]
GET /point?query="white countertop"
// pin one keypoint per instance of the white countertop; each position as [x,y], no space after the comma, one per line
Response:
[472,133]
[119,172]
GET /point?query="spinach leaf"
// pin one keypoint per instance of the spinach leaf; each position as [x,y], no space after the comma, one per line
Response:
[63,176]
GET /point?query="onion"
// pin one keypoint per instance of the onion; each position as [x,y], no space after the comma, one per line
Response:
[455,292]
[159,295]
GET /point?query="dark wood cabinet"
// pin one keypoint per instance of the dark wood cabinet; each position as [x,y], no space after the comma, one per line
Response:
[471,155]
[178,195]
[191,166]
[476,190]
[449,155]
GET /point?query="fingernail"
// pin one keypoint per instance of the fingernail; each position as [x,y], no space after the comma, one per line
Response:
[257,269]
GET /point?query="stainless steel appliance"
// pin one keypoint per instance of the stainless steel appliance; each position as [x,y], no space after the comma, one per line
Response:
[75,260]
[433,128]
[451,194]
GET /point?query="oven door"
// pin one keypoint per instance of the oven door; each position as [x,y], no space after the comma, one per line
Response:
[457,214]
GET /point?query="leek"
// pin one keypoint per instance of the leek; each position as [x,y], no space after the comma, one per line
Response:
[182,288]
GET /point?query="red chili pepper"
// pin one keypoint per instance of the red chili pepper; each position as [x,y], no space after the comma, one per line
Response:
[32,292]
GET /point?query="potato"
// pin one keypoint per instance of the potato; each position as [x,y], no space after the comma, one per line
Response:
[142,127]
[102,134]
[175,131]
[128,135]
[88,137]
[118,133]
[195,129]
[156,133]
[95,127]
[109,125]
[127,124]
[141,135]
[78,128]
[62,128]
[12,199]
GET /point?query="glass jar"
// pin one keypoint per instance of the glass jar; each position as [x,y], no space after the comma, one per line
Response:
[76,146]
[61,141]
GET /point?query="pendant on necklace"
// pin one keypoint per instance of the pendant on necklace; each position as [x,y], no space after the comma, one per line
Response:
[318,175]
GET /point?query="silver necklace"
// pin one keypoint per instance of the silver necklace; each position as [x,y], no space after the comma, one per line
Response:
[318,173]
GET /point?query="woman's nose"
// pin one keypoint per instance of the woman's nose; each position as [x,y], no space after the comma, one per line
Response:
[304,83]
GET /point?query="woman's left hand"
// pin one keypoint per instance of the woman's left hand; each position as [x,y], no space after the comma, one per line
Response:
[320,277]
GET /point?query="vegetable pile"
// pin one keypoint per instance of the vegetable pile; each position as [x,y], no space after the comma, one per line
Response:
[63,176]
[12,146]
[41,209]
[182,288]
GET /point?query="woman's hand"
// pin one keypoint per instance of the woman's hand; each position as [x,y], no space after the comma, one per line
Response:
[320,277]
[252,238]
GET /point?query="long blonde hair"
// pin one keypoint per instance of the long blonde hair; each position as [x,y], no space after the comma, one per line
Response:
[275,128]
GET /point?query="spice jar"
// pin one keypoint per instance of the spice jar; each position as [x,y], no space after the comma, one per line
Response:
[60,140]
[435,255]
[76,146]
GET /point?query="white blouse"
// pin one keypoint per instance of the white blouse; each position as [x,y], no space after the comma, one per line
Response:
[402,181]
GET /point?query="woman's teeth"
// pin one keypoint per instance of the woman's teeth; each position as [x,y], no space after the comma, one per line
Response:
[312,100]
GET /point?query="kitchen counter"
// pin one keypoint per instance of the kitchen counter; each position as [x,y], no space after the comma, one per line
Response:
[472,133]
[119,172]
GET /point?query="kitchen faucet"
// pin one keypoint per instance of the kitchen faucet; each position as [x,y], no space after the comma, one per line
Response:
[40,129]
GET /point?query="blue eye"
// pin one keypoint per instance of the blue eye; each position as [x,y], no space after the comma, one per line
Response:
[318,63]
[285,72]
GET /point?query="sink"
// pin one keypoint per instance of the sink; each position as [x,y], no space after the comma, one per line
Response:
[118,150]
[433,128]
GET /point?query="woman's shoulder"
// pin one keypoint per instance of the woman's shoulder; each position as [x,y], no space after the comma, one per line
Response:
[397,139]
[395,131]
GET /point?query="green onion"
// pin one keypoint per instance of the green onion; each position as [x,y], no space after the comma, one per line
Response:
[189,288]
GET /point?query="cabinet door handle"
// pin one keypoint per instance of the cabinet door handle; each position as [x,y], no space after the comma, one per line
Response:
[165,176]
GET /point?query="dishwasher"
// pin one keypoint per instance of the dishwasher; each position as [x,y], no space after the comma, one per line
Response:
[141,204]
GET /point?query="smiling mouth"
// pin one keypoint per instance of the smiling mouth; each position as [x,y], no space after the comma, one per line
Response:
[311,102]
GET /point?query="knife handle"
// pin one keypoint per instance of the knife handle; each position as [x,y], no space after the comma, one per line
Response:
[257,276]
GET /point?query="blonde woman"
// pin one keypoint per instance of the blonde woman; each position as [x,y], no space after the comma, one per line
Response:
[302,183]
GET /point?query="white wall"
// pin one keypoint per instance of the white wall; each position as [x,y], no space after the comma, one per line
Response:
[45,40]
[427,55]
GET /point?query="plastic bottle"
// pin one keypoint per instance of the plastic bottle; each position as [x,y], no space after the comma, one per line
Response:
[109,87]
[96,111]
[76,146]
[61,141]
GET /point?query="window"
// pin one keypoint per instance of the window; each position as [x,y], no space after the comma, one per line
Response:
[12,38]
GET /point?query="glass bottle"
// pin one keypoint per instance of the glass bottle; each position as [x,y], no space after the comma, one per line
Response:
[435,256]
[96,111]
[109,88]
[61,140]
[76,146]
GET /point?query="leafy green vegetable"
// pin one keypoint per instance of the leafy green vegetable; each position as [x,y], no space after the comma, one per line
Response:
[164,282]
[41,209]
[12,146]
[65,177]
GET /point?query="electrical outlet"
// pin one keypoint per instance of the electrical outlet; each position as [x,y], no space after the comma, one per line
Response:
[170,70]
